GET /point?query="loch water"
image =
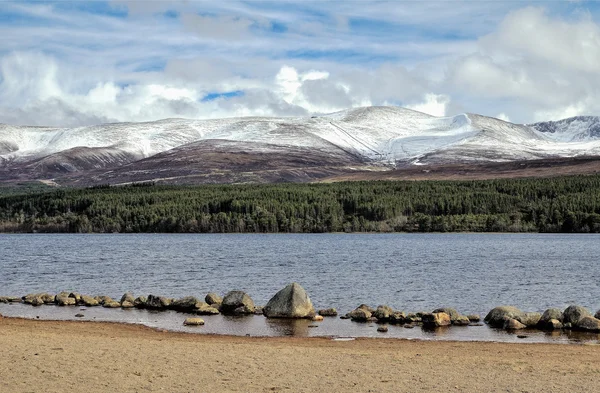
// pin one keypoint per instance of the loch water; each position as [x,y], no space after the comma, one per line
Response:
[411,272]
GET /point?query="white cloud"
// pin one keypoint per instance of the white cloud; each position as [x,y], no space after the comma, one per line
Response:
[434,104]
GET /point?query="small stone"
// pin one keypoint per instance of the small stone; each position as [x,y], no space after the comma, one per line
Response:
[193,322]
[461,320]
[317,318]
[474,317]
[382,329]
[111,304]
[313,326]
[127,304]
[328,312]
[79,315]
[522,336]
[409,326]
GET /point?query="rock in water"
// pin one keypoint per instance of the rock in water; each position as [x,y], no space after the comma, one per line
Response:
[497,316]
[436,319]
[589,324]
[193,322]
[450,311]
[237,302]
[185,304]
[213,298]
[328,312]
[290,302]
[127,297]
[513,324]
[573,314]
[157,302]
[89,301]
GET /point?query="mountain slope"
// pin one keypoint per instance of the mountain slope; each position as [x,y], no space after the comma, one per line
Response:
[282,149]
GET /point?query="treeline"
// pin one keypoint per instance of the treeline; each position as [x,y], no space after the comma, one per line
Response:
[562,204]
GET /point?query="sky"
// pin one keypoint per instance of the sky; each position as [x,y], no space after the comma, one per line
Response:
[76,63]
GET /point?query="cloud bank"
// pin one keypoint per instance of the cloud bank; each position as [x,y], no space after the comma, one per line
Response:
[81,63]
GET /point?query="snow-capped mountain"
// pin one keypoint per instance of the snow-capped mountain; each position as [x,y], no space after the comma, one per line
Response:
[370,138]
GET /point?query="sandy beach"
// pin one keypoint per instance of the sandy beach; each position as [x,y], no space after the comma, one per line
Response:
[49,356]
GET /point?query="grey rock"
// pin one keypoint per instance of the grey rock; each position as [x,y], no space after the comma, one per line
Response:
[157,302]
[382,329]
[359,315]
[202,308]
[548,318]
[127,304]
[111,304]
[328,312]
[397,318]
[237,302]
[574,313]
[588,324]
[193,322]
[290,302]
[89,301]
[597,315]
[383,313]
[497,316]
[462,320]
[185,304]
[530,319]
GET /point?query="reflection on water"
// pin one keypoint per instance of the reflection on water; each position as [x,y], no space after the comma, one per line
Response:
[257,325]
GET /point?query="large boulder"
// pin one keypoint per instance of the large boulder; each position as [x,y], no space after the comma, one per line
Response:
[63,299]
[589,324]
[185,304]
[157,302]
[436,319]
[290,302]
[574,313]
[237,302]
[213,298]
[497,316]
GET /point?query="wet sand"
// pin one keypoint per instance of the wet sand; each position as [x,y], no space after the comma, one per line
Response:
[72,356]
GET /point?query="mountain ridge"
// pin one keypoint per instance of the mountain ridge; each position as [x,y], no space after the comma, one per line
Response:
[372,139]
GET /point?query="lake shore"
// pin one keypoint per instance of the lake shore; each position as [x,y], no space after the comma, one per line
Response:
[73,356]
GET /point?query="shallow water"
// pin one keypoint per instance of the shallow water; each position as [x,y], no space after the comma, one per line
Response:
[410,272]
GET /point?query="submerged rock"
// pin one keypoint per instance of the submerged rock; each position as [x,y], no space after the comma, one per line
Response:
[290,302]
[237,302]
[497,316]
[382,329]
[574,313]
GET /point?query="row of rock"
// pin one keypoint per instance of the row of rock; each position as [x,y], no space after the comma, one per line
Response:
[385,314]
[290,302]
[573,317]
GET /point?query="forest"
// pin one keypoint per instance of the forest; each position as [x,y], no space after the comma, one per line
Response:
[560,204]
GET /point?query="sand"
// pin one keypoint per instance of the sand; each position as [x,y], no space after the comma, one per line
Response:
[50,356]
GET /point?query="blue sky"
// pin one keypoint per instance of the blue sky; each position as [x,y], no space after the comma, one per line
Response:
[72,63]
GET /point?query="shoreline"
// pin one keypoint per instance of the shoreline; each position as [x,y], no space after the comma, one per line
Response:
[109,356]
